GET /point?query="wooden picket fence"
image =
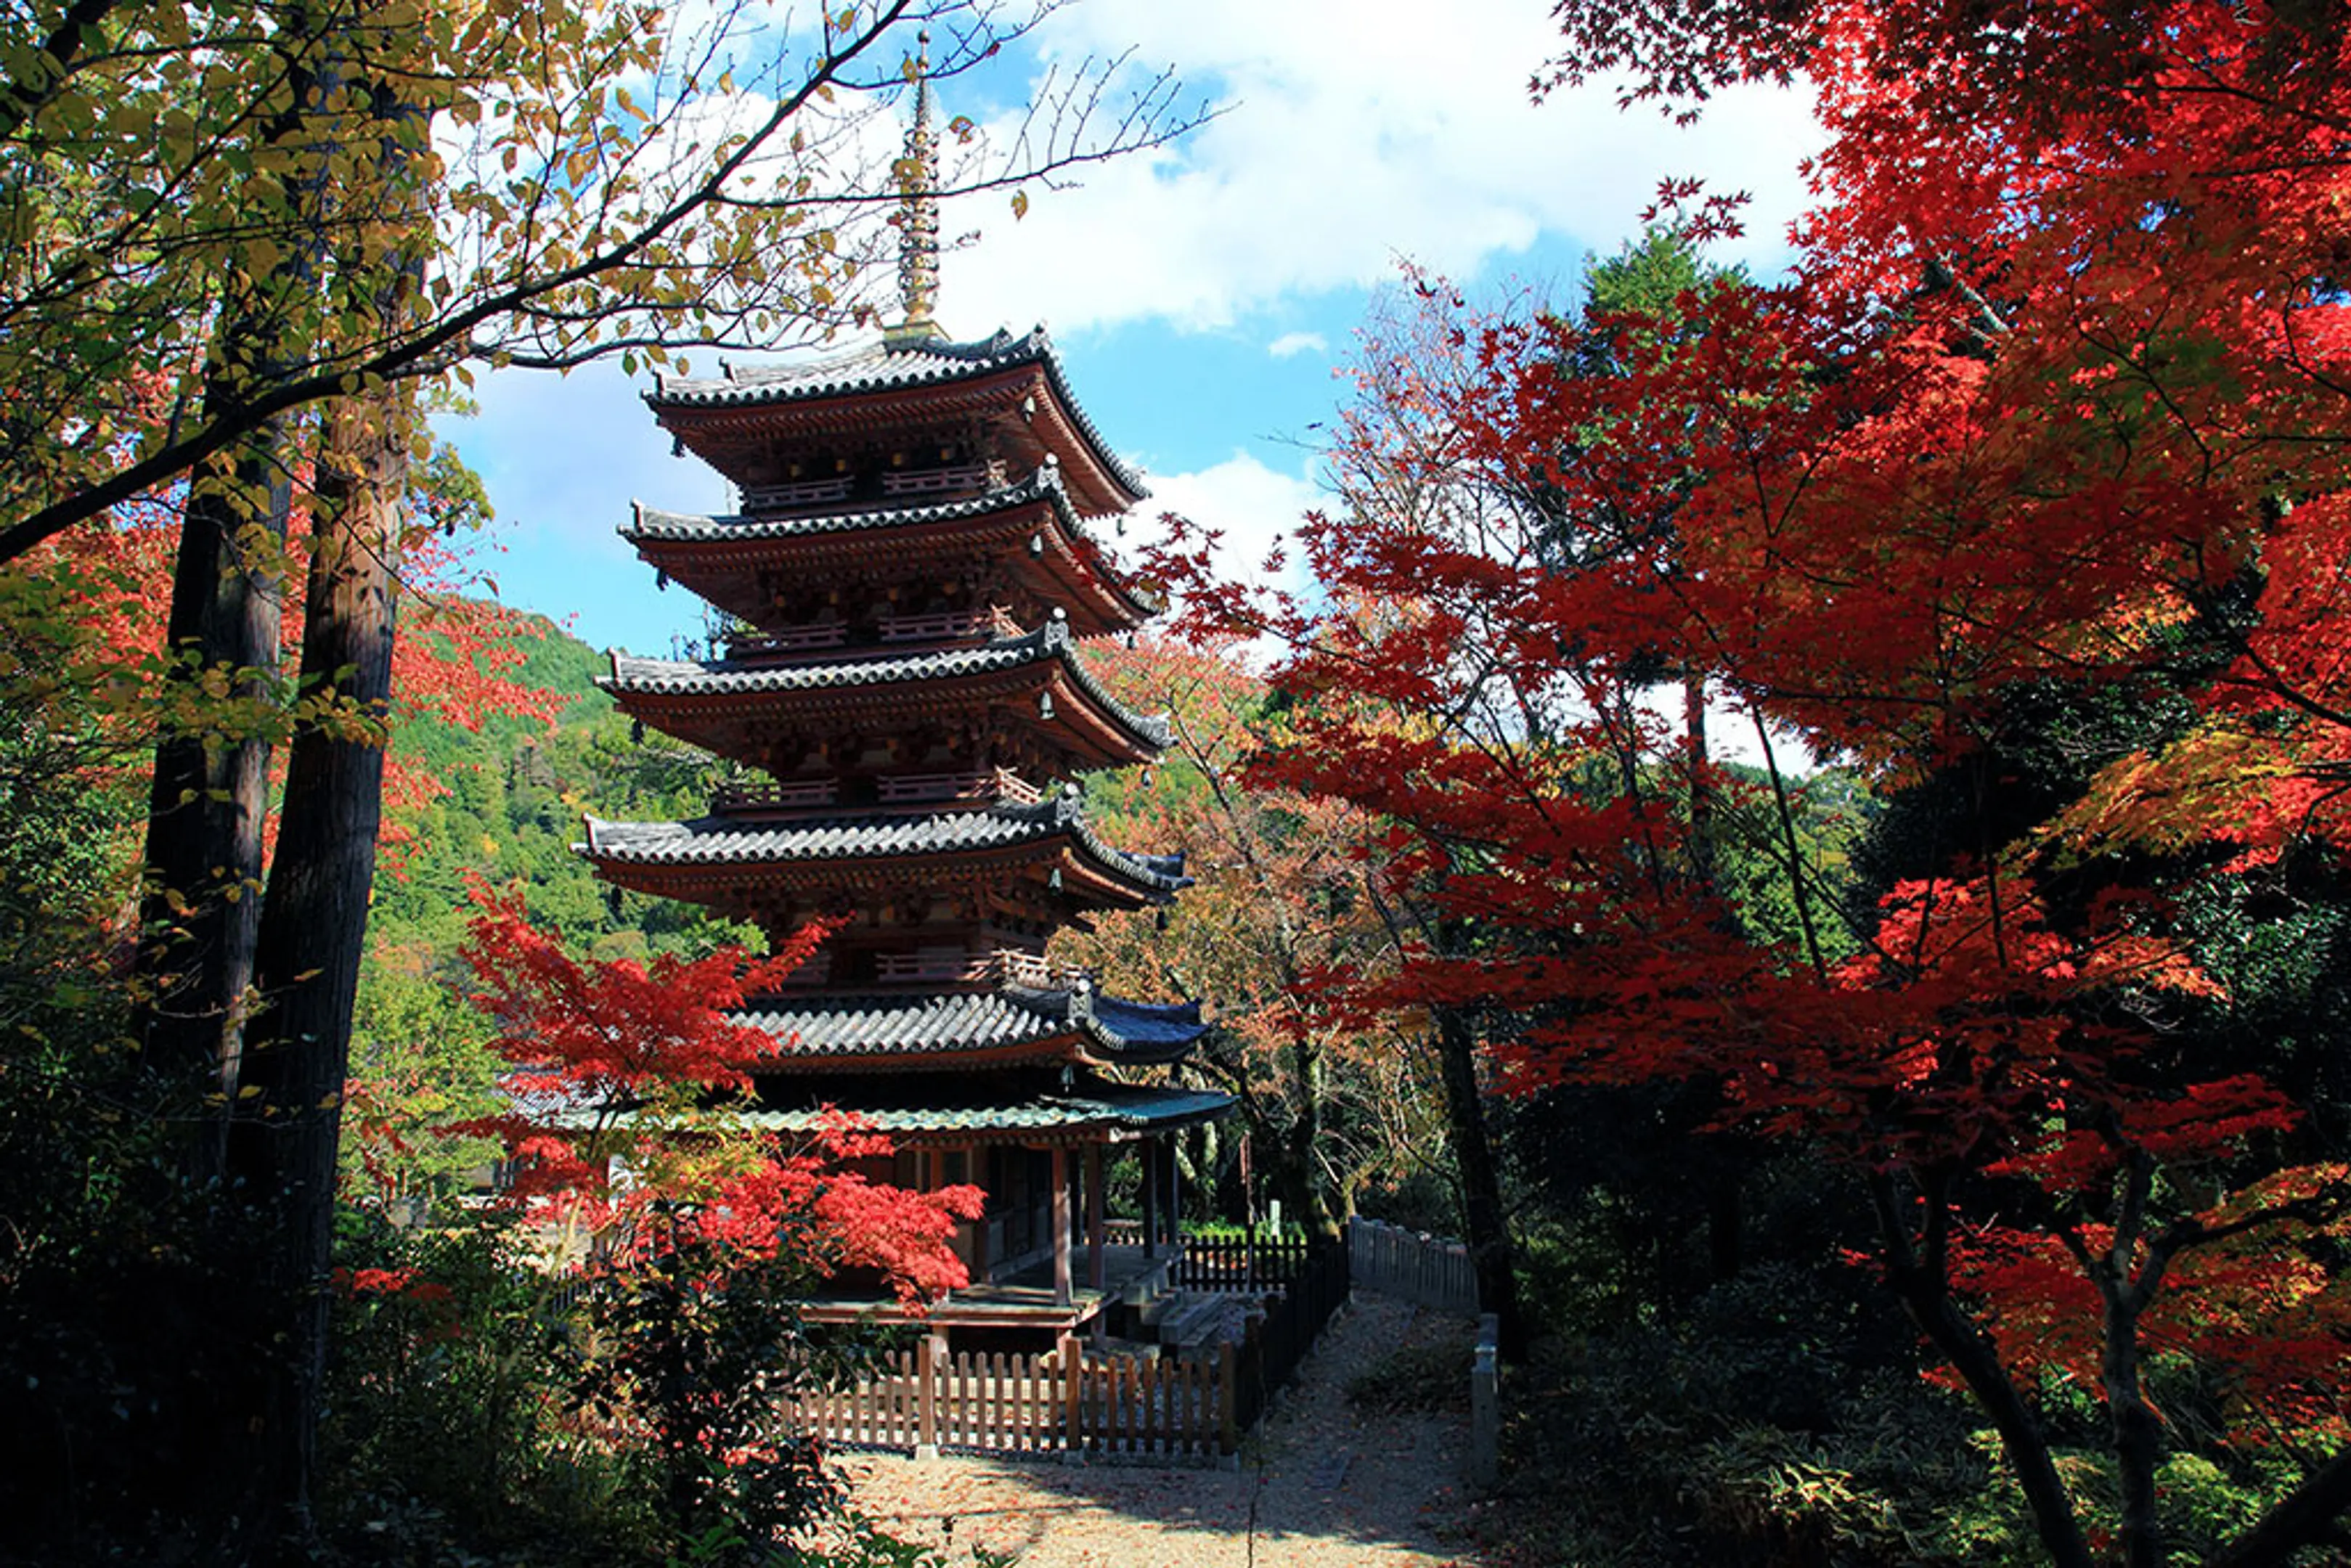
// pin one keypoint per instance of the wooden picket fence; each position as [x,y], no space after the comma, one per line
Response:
[1238,1265]
[1146,1406]
[930,1400]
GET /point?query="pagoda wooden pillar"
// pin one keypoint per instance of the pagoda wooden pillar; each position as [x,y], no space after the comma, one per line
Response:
[1097,1269]
[980,1258]
[1147,1155]
[1174,1198]
[1062,1293]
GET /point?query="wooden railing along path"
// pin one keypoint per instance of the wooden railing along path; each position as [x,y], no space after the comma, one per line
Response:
[1432,1271]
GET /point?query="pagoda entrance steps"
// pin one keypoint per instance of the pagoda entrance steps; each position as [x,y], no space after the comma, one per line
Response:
[1197,1322]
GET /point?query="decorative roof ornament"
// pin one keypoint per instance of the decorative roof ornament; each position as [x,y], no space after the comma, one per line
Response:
[918,215]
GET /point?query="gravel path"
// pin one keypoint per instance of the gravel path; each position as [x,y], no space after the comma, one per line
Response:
[1327,1486]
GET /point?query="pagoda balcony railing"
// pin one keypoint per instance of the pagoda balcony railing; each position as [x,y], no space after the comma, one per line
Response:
[1034,970]
[962,478]
[798,493]
[932,788]
[729,799]
[932,964]
[945,624]
[791,640]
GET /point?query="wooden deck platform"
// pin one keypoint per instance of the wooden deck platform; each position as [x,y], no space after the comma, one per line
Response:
[1022,1300]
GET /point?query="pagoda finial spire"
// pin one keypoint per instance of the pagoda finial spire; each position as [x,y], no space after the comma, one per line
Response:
[918,212]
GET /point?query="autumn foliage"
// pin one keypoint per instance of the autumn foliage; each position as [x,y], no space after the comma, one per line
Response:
[85,641]
[625,1079]
[2052,406]
[1329,1110]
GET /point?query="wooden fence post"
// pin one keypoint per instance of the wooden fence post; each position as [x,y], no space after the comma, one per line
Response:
[1228,1414]
[1073,1374]
[1485,1461]
[929,1353]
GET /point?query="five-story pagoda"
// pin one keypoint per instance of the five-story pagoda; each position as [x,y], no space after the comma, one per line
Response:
[913,564]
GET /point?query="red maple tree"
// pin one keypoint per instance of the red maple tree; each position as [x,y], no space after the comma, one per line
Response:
[2055,394]
[624,1081]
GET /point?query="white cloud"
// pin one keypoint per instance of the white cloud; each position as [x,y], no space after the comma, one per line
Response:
[562,456]
[1290,343]
[1358,131]
[1255,507]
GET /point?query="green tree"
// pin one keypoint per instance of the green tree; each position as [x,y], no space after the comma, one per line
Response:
[603,180]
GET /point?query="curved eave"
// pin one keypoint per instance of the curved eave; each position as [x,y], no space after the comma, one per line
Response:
[710,702]
[1138,1034]
[873,387]
[711,859]
[1089,1112]
[1008,1025]
[1029,525]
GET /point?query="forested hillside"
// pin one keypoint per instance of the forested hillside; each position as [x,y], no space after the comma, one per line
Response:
[514,792]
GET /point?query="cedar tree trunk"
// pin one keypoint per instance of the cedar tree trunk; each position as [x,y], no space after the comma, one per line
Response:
[199,916]
[283,1143]
[205,809]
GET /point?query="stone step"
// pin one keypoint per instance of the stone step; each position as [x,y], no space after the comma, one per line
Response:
[1155,1309]
[1148,1285]
[1193,1324]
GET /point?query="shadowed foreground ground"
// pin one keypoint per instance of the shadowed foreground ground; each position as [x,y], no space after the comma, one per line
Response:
[1324,1486]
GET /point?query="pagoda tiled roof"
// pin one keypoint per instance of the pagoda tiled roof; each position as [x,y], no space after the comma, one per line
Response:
[686,542]
[887,366]
[943,1030]
[633,676]
[1101,1107]
[652,524]
[722,841]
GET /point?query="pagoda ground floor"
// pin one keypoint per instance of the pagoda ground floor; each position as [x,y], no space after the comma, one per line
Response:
[1046,1151]
[1026,1298]
[1046,1257]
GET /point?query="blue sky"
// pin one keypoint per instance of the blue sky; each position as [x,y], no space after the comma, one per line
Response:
[1202,295]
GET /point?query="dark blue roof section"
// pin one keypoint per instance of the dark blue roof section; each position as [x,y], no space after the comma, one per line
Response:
[1150,1026]
[943,1027]
[1122,1030]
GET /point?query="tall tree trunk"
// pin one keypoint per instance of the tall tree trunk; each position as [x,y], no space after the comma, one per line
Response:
[1726,1207]
[2138,1436]
[1492,1252]
[201,914]
[285,1135]
[1701,792]
[1918,1279]
[285,1139]
[1311,1199]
